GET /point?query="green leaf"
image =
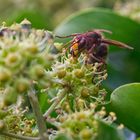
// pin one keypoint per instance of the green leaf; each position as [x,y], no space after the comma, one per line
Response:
[44,98]
[43,101]
[125,102]
[37,18]
[123,64]
[109,132]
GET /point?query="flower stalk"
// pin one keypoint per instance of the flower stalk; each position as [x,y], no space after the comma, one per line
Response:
[58,99]
[18,136]
[39,118]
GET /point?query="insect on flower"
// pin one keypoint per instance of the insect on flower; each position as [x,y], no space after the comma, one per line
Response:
[93,44]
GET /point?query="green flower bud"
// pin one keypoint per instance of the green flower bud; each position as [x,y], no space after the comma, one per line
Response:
[86,134]
[95,90]
[80,103]
[37,72]
[13,59]
[10,96]
[85,92]
[81,116]
[79,73]
[22,85]
[61,73]
[5,74]
[66,107]
[32,49]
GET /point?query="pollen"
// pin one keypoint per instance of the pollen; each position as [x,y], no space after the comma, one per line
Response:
[75,48]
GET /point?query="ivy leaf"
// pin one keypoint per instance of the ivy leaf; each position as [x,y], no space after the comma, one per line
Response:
[125,102]
[37,18]
[109,132]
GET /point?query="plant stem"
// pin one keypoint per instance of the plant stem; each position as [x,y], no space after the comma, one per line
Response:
[39,118]
[61,95]
[18,136]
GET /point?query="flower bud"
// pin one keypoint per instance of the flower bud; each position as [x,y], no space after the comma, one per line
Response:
[86,134]
[80,104]
[32,49]
[81,116]
[66,107]
[13,59]
[61,73]
[85,92]
[95,90]
[37,72]
[79,73]
[10,96]
[5,74]
[22,85]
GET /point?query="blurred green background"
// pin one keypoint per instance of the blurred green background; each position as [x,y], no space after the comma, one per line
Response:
[49,13]
[122,17]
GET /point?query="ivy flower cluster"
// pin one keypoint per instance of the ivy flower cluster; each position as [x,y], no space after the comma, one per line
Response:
[73,87]
[23,59]
[79,82]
